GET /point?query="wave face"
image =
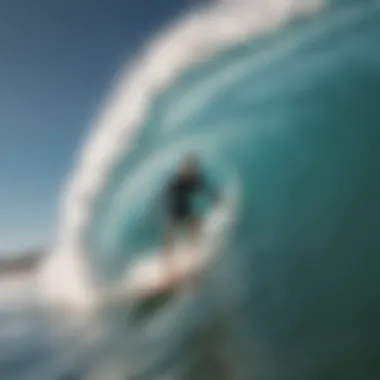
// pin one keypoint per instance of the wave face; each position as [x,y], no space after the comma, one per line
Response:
[283,109]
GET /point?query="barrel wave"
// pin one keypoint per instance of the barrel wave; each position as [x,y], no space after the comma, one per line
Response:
[280,102]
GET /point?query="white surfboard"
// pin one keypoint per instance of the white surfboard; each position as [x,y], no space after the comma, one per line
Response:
[156,274]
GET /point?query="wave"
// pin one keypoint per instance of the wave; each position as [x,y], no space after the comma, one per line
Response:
[282,110]
[197,38]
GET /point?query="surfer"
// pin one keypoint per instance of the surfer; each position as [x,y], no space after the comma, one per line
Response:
[186,184]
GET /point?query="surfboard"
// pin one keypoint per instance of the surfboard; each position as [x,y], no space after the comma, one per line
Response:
[158,273]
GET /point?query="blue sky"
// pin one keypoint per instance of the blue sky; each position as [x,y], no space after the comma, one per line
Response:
[57,59]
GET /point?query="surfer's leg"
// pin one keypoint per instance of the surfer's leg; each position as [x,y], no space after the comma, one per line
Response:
[169,249]
[169,240]
[195,231]
[193,225]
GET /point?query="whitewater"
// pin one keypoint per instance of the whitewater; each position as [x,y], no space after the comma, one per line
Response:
[279,99]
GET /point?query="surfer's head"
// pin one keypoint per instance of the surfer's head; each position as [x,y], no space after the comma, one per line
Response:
[189,166]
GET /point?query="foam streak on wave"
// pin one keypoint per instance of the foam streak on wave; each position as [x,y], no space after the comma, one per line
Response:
[196,38]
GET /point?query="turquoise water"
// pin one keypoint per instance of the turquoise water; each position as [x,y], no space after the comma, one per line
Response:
[291,121]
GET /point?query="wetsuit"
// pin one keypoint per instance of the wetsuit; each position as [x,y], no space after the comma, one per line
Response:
[180,197]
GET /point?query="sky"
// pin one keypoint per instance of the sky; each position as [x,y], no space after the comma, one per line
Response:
[57,61]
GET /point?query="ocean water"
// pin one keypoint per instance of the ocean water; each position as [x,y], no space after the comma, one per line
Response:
[280,100]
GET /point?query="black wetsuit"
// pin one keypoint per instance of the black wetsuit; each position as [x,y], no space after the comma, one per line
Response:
[180,197]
